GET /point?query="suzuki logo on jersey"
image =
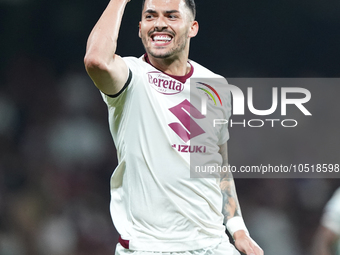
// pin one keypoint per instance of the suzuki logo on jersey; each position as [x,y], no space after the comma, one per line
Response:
[188,128]
[164,84]
[190,148]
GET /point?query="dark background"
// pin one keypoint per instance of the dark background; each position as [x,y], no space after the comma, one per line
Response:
[56,153]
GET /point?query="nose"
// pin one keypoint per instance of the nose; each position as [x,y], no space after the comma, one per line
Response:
[160,23]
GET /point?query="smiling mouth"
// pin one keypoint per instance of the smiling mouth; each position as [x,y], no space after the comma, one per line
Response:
[161,39]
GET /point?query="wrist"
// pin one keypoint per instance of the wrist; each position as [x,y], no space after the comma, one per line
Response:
[237,226]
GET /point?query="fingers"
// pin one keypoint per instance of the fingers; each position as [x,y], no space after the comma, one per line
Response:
[248,246]
[249,251]
[257,251]
[256,248]
[253,250]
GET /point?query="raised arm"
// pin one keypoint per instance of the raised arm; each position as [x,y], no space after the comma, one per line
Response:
[107,70]
[232,211]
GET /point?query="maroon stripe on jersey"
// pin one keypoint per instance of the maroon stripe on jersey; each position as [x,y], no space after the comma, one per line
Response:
[181,79]
[124,243]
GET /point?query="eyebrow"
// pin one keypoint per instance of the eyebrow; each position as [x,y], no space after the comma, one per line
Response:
[167,12]
[172,11]
[150,11]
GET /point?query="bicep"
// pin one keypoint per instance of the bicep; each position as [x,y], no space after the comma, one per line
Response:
[111,77]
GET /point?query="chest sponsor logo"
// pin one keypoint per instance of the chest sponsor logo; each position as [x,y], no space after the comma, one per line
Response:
[188,128]
[164,84]
[190,148]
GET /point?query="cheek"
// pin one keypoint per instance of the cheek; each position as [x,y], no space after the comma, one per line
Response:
[183,35]
[143,31]
[183,30]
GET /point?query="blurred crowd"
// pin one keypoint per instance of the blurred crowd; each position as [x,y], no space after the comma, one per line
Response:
[56,158]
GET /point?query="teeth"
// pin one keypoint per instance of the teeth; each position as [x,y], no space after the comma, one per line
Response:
[162,38]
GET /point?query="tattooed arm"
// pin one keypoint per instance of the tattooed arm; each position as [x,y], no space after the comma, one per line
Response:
[231,206]
[232,211]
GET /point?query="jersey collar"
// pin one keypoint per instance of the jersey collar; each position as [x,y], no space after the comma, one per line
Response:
[180,78]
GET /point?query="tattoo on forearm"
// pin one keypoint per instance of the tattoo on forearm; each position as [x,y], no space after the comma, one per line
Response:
[231,206]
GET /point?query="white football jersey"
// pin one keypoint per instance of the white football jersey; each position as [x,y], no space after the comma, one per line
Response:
[159,131]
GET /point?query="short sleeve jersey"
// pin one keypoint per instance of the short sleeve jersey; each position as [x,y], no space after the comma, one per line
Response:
[157,126]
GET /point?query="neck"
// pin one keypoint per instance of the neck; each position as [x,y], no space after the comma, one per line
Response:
[172,66]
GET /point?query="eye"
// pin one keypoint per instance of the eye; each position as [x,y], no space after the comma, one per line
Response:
[149,16]
[172,16]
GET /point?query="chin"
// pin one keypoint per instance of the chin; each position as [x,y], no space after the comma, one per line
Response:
[160,53]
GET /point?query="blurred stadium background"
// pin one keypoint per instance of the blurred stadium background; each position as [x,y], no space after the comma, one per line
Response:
[56,153]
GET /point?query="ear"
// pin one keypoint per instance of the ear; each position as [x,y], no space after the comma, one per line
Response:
[193,29]
[139,27]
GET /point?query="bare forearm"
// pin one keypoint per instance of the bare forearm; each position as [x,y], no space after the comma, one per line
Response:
[231,206]
[102,42]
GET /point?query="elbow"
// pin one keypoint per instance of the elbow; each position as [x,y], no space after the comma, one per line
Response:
[93,64]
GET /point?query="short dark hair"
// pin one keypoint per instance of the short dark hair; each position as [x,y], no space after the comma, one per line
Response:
[190,4]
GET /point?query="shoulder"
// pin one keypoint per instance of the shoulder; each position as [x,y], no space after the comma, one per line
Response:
[205,76]
[133,62]
[138,61]
[138,66]
[203,72]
